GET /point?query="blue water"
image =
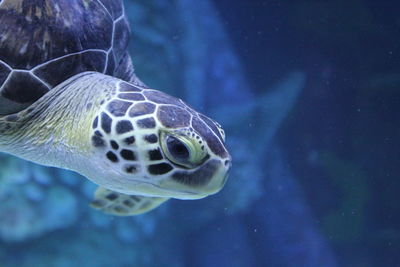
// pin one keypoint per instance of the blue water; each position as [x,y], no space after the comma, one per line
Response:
[308,94]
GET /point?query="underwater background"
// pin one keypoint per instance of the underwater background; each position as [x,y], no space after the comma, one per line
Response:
[308,94]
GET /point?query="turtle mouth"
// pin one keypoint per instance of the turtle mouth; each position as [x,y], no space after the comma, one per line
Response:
[206,180]
[199,183]
[154,190]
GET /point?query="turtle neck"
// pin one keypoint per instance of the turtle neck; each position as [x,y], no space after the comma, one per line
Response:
[57,126]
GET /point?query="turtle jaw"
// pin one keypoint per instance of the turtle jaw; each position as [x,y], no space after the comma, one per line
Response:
[204,181]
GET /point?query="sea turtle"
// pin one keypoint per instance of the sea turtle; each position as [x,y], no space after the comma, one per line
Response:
[69,98]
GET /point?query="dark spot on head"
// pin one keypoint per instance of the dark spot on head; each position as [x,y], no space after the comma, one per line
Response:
[128,154]
[97,141]
[201,176]
[106,122]
[161,98]
[131,169]
[124,126]
[114,144]
[126,87]
[141,109]
[146,123]
[173,117]
[132,96]
[208,135]
[95,122]
[155,154]
[151,138]
[112,196]
[111,156]
[129,140]
[159,169]
[118,107]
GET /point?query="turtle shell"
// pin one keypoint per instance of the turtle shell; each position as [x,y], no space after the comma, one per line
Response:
[45,42]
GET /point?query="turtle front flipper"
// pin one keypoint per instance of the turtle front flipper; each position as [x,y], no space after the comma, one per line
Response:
[118,204]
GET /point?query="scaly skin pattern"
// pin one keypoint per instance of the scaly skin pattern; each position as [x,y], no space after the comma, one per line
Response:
[122,137]
[52,131]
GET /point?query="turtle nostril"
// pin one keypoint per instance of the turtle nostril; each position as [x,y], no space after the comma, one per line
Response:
[227,163]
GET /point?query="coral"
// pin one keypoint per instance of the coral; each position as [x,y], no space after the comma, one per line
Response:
[30,206]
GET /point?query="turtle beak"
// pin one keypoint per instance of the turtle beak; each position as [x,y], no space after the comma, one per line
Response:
[219,179]
[228,165]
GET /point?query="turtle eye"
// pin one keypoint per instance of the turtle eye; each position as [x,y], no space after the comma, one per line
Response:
[182,150]
[177,149]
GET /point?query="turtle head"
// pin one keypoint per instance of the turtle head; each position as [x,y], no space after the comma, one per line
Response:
[153,144]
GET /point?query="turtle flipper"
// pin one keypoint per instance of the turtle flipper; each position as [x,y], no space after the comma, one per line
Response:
[118,204]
